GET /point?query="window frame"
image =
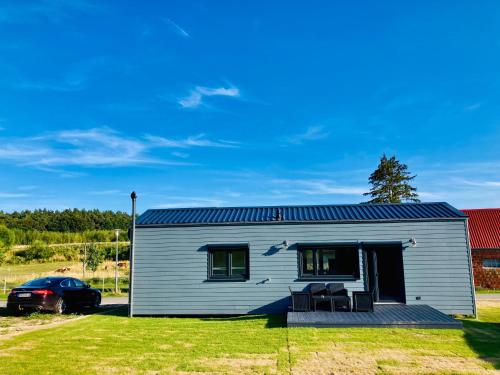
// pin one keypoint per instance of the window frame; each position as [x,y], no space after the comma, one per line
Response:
[227,248]
[321,277]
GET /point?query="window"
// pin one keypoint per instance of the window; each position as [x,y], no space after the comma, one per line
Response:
[46,281]
[67,283]
[78,283]
[228,263]
[491,263]
[328,262]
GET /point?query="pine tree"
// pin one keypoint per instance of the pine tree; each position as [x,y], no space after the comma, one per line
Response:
[391,183]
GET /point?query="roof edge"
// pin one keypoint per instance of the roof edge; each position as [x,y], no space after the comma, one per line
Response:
[298,222]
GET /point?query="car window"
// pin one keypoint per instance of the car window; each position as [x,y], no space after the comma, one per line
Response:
[68,283]
[78,283]
[40,282]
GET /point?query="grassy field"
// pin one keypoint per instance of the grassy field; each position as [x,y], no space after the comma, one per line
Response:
[487,291]
[113,343]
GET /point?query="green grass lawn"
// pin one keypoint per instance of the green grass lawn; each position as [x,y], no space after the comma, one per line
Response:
[487,291]
[113,343]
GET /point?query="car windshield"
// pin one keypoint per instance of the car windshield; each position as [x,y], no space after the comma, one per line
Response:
[40,282]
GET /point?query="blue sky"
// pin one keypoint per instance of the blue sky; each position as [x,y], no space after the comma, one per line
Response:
[217,103]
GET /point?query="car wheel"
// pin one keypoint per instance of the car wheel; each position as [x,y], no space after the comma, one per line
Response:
[97,301]
[60,306]
[15,311]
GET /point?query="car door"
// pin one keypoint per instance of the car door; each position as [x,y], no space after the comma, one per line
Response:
[85,295]
[69,291]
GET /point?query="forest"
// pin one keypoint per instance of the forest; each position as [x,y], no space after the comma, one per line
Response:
[67,230]
[74,220]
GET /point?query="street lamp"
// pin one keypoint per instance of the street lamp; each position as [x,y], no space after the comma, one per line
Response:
[117,234]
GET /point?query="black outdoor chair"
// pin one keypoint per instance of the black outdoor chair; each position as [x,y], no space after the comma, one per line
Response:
[318,293]
[339,298]
[300,301]
[362,301]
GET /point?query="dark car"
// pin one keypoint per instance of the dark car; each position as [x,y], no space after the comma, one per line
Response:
[53,294]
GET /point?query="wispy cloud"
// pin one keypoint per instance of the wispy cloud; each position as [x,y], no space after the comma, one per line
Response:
[49,10]
[481,183]
[13,195]
[27,187]
[97,147]
[473,107]
[198,140]
[195,98]
[318,187]
[179,30]
[75,77]
[312,133]
[105,192]
[180,154]
[67,85]
[181,202]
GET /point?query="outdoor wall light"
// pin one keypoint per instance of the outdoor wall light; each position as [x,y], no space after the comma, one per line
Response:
[413,242]
[285,243]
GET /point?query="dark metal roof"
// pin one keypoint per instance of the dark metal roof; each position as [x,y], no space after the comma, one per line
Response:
[299,214]
[484,228]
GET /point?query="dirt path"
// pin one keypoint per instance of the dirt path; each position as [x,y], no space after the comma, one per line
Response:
[11,326]
[22,325]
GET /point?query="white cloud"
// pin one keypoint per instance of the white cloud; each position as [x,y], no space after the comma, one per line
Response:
[182,202]
[13,195]
[221,91]
[198,140]
[180,154]
[430,195]
[96,147]
[318,187]
[195,98]
[481,183]
[312,133]
[191,101]
[179,30]
[105,192]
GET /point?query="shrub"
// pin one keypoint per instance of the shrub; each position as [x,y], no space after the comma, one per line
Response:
[38,250]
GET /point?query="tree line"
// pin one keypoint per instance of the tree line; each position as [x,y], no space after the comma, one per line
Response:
[74,220]
[40,228]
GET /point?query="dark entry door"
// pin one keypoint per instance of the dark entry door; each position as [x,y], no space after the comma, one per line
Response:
[385,273]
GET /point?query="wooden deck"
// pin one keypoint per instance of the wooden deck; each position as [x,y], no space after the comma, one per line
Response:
[390,315]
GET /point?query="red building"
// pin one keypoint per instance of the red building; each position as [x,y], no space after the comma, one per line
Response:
[484,234]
